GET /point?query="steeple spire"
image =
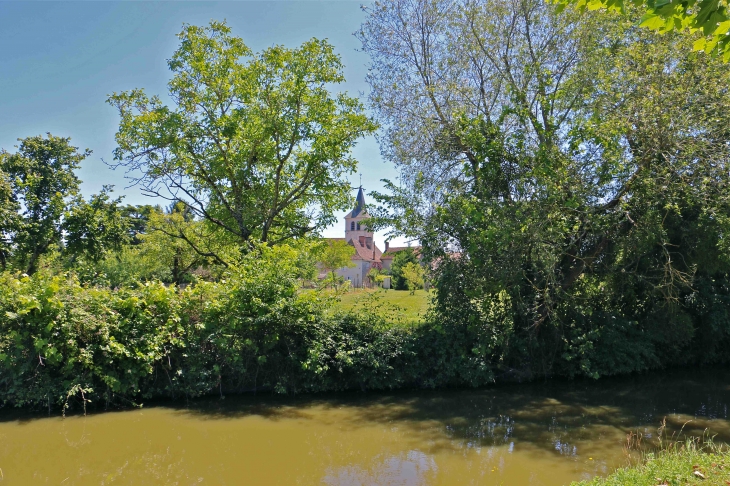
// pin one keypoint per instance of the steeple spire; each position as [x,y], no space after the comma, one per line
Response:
[359,204]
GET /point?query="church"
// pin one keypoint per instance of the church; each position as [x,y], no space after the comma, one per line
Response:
[367,254]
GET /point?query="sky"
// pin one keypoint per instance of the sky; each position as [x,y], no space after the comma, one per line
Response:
[59,61]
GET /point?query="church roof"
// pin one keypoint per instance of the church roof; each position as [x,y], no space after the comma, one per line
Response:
[364,253]
[359,204]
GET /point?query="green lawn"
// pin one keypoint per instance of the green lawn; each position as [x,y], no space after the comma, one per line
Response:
[409,308]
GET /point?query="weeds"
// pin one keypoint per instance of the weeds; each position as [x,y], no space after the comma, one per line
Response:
[673,460]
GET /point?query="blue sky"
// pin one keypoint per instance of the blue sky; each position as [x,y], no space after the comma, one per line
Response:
[60,60]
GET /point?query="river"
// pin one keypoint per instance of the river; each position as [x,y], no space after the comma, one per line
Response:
[523,434]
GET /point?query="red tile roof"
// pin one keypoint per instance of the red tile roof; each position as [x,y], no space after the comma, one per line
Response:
[362,252]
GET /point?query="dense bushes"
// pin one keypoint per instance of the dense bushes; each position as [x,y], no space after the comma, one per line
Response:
[64,342]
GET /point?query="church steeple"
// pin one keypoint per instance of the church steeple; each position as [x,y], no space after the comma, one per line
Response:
[354,221]
[359,203]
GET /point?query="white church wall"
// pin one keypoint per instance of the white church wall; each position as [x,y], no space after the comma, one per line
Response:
[357,275]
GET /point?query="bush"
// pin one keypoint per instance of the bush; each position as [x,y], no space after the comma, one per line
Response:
[63,343]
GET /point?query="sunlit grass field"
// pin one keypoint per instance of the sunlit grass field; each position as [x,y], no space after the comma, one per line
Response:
[409,308]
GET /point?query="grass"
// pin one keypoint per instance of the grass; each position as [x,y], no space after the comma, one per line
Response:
[409,308]
[688,463]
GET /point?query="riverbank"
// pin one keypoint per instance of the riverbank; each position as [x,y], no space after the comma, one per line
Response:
[688,463]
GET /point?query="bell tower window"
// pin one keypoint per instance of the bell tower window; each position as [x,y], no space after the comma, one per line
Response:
[358,226]
[352,226]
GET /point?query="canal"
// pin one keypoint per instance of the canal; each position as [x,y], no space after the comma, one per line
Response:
[523,434]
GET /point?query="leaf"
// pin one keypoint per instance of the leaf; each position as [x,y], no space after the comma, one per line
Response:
[652,21]
[699,44]
[723,28]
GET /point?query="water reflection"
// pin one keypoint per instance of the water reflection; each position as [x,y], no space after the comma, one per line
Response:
[539,434]
[407,469]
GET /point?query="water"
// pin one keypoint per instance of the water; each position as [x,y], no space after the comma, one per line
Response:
[536,434]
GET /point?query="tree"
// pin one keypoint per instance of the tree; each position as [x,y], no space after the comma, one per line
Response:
[565,174]
[9,218]
[179,255]
[710,17]
[137,220]
[94,228]
[41,178]
[400,260]
[336,254]
[413,275]
[256,145]
[376,276]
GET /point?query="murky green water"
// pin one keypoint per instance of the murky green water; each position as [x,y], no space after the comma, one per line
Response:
[537,434]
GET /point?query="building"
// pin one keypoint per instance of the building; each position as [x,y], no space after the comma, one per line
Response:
[367,254]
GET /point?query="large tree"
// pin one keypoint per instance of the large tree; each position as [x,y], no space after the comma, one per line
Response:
[255,144]
[42,180]
[95,227]
[8,218]
[566,174]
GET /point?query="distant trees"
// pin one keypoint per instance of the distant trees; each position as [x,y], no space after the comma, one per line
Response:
[9,218]
[400,260]
[413,275]
[256,145]
[336,254]
[42,209]
[376,276]
[96,227]
[41,180]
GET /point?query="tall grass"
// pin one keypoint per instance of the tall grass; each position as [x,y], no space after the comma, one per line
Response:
[671,461]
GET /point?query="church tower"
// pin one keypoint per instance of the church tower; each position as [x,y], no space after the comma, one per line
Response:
[355,223]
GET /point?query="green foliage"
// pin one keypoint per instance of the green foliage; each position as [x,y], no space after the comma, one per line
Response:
[690,463]
[334,254]
[95,228]
[709,17]
[256,144]
[137,220]
[9,218]
[413,275]
[41,178]
[152,341]
[65,343]
[400,260]
[376,276]
[129,267]
[571,199]
[180,245]
[42,212]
